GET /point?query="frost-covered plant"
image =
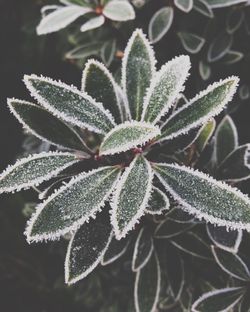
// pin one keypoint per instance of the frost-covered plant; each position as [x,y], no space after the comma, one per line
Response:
[135,177]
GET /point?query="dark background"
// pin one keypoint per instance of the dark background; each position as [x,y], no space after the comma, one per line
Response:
[31,277]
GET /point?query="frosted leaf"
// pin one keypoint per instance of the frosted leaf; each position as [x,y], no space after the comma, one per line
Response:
[115,250]
[219,46]
[34,169]
[226,139]
[235,19]
[93,23]
[143,249]
[98,82]
[204,70]
[170,228]
[218,300]
[61,18]
[226,240]
[231,263]
[157,202]
[202,7]
[184,5]
[191,42]
[200,109]
[84,51]
[165,88]
[128,135]
[205,135]
[138,68]
[223,3]
[160,24]
[131,196]
[232,57]
[148,285]
[119,11]
[44,125]
[202,196]
[69,104]
[108,52]
[87,247]
[72,205]
[192,244]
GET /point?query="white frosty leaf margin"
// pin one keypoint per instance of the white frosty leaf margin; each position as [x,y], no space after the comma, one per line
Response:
[62,115]
[17,187]
[166,200]
[132,144]
[90,269]
[214,293]
[115,200]
[214,112]
[183,65]
[158,289]
[75,226]
[27,128]
[202,215]
[150,51]
[180,6]
[119,11]
[135,253]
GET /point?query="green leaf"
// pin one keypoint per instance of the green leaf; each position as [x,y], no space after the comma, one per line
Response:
[184,5]
[87,247]
[131,196]
[244,92]
[138,68]
[218,300]
[235,167]
[231,263]
[119,11]
[160,24]
[191,42]
[147,286]
[224,239]
[232,57]
[108,52]
[128,135]
[157,202]
[115,250]
[204,197]
[143,249]
[165,88]
[72,205]
[61,18]
[205,70]
[170,228]
[69,104]
[234,20]
[84,51]
[205,134]
[226,139]
[223,3]
[219,47]
[44,125]
[98,82]
[34,169]
[202,7]
[93,23]
[200,109]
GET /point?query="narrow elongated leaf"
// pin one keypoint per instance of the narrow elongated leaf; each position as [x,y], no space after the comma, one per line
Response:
[223,3]
[205,134]
[218,300]
[165,88]
[219,46]
[191,42]
[98,82]
[131,196]
[232,57]
[115,250]
[84,51]
[202,7]
[226,139]
[69,104]
[72,205]
[170,228]
[200,109]
[226,240]
[93,23]
[87,247]
[34,169]
[128,135]
[184,5]
[147,286]
[231,264]
[234,20]
[138,68]
[157,202]
[143,249]
[235,166]
[108,52]
[204,197]
[119,11]
[44,125]
[61,18]
[160,24]
[205,70]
